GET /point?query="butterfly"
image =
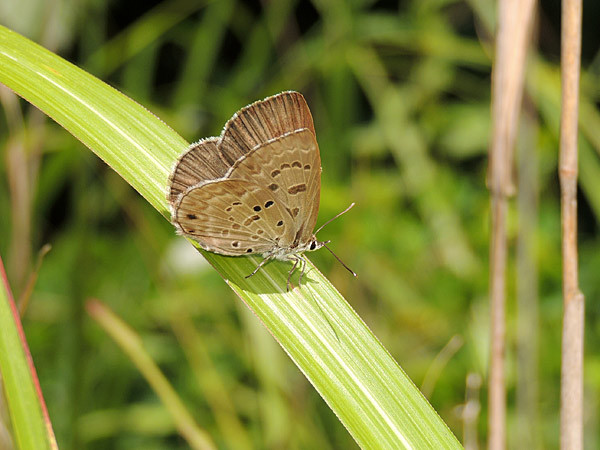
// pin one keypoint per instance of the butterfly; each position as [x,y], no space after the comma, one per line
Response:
[255,189]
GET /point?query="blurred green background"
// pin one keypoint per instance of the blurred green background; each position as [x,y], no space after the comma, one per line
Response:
[400,94]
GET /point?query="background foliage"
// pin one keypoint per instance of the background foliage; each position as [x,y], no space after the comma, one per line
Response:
[400,96]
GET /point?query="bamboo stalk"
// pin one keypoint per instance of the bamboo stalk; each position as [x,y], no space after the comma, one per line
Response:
[514,25]
[571,405]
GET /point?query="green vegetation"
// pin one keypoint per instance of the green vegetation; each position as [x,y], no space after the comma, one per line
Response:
[400,98]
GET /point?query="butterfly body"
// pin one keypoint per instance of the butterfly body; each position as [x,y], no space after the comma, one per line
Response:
[255,189]
[291,253]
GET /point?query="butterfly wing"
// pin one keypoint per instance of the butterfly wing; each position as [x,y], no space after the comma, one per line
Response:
[250,127]
[232,217]
[201,162]
[257,187]
[289,168]
[263,121]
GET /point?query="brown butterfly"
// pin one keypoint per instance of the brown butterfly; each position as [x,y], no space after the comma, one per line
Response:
[255,188]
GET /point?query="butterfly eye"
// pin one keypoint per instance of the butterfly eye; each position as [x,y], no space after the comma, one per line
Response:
[313,245]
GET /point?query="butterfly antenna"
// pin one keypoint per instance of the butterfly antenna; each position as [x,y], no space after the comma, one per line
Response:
[332,219]
[337,257]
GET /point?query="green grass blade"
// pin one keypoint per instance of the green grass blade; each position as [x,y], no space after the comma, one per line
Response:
[31,429]
[132,345]
[356,376]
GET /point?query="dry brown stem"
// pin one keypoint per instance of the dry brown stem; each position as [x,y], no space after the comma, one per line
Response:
[514,27]
[571,414]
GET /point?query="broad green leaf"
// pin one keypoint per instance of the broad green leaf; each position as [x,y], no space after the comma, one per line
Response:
[355,375]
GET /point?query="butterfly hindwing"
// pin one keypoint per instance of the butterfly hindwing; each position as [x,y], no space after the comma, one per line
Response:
[232,217]
[201,162]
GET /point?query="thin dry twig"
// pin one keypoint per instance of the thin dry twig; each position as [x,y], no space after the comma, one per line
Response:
[571,404]
[514,27]
[19,189]
[28,289]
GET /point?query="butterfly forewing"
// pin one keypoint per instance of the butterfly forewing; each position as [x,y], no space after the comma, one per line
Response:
[232,217]
[263,121]
[202,162]
[290,168]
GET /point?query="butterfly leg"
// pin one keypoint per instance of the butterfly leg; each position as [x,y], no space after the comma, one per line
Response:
[296,259]
[262,263]
[303,269]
